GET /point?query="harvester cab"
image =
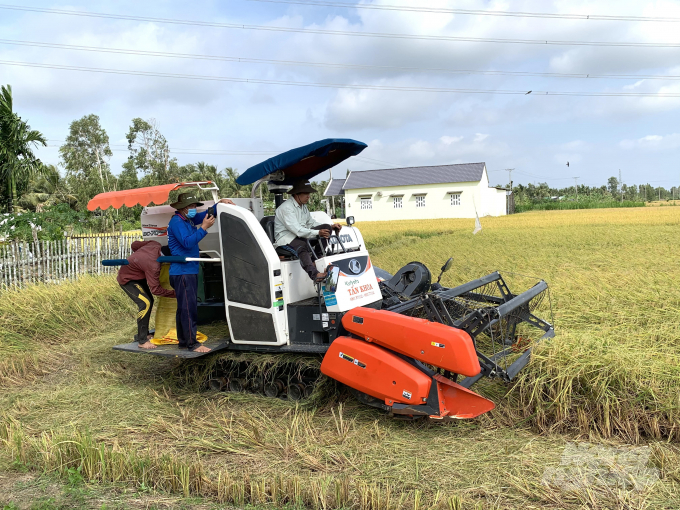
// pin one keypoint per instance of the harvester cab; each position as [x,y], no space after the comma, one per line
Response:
[399,342]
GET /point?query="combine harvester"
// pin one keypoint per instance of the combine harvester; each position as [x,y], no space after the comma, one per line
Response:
[400,343]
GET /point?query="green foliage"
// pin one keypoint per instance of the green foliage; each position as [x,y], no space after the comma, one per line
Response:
[18,163]
[149,153]
[48,225]
[85,156]
[75,476]
[46,190]
[613,191]
[559,205]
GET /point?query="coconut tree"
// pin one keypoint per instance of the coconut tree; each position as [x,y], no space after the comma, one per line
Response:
[17,141]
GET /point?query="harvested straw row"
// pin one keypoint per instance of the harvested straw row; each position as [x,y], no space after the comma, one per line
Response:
[59,453]
[34,320]
[55,313]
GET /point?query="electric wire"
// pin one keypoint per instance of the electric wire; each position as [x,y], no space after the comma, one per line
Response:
[472,12]
[381,35]
[226,58]
[395,88]
[219,152]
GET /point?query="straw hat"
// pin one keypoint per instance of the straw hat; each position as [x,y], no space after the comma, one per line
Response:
[301,187]
[185,199]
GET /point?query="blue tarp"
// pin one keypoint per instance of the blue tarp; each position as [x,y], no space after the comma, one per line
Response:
[304,162]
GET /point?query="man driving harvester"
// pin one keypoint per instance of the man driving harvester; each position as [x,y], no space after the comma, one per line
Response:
[183,239]
[293,225]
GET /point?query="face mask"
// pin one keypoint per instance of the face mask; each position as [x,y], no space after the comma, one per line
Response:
[191,213]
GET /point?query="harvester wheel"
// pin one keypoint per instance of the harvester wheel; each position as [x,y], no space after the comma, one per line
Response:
[296,391]
[257,384]
[274,389]
[237,385]
[218,383]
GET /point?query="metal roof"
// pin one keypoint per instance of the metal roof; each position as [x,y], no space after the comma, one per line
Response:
[334,188]
[412,176]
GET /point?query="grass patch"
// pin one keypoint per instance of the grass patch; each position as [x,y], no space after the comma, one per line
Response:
[36,320]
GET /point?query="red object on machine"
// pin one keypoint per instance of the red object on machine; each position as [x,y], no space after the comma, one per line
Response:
[458,402]
[430,342]
[140,196]
[382,374]
[375,371]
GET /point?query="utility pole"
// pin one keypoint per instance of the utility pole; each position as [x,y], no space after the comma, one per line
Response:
[510,170]
[576,186]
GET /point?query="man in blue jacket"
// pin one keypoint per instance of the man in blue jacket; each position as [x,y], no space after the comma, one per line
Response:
[183,239]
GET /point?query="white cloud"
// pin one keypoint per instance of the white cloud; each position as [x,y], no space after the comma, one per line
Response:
[363,109]
[448,140]
[527,132]
[653,142]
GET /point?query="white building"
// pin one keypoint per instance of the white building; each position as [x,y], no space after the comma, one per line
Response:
[429,192]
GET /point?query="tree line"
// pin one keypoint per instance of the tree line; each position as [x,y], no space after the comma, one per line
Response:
[611,192]
[45,200]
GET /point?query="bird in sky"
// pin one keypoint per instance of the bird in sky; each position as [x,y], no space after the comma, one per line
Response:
[567,163]
[528,93]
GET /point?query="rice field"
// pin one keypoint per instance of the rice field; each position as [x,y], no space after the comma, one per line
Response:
[133,430]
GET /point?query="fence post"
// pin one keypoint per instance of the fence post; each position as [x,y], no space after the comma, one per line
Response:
[62,260]
[76,260]
[5,267]
[24,264]
[99,256]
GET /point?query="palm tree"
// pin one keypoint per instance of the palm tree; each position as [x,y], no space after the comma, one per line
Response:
[17,140]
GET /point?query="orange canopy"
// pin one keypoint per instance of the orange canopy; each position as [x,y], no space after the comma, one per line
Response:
[140,196]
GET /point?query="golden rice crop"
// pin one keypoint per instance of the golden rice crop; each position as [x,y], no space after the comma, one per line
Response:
[611,372]
[614,367]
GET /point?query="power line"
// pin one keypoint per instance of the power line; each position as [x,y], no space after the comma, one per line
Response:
[226,58]
[337,85]
[220,152]
[380,35]
[473,12]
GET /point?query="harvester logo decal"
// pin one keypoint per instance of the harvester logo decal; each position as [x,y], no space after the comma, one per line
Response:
[354,266]
[352,360]
[435,344]
[406,394]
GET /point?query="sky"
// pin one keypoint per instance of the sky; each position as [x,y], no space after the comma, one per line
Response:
[239,124]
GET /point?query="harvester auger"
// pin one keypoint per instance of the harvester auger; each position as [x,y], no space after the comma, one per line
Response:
[400,342]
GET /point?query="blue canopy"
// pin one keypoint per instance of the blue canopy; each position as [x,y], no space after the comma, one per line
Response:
[304,162]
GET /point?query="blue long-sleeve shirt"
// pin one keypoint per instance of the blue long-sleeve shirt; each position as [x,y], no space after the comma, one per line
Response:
[183,239]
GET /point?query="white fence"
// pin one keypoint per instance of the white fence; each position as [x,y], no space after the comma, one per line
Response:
[23,264]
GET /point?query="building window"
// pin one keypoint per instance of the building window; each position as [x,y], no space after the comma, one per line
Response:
[455,199]
[420,201]
[396,201]
[366,203]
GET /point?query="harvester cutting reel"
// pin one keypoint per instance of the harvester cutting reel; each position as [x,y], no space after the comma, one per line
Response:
[499,322]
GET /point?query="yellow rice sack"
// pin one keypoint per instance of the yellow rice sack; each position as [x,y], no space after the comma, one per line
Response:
[166,308]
